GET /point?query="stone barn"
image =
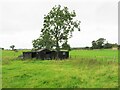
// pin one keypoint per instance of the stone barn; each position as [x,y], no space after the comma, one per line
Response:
[46,54]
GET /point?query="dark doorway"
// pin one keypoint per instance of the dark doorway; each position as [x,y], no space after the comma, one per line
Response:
[33,54]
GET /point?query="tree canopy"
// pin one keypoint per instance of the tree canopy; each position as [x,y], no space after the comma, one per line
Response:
[44,41]
[12,47]
[100,44]
[57,28]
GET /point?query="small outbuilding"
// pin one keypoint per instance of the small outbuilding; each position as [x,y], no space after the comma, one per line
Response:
[63,54]
[45,54]
[29,55]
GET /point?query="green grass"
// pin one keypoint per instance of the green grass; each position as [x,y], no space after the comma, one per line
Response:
[107,55]
[85,69]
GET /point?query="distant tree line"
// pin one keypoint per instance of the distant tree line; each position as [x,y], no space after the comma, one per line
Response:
[100,44]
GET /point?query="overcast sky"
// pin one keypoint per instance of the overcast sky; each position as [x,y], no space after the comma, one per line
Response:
[22,20]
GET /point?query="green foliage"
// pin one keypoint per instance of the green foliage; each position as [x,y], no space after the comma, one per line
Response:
[107,45]
[37,44]
[100,44]
[44,41]
[85,69]
[115,45]
[12,47]
[66,46]
[59,25]
[94,45]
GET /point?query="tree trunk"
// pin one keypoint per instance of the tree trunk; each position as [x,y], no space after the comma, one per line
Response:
[57,48]
[57,44]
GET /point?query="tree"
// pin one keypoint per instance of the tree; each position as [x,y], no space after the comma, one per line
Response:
[66,46]
[57,28]
[2,48]
[37,44]
[59,24]
[12,47]
[44,41]
[100,42]
[87,48]
[115,45]
[107,45]
[94,45]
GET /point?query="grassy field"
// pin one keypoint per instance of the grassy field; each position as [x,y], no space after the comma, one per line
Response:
[84,69]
